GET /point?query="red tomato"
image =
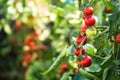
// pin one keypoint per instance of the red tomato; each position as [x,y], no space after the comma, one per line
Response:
[79,39]
[64,67]
[27,59]
[117,39]
[83,51]
[84,28]
[89,11]
[28,40]
[90,21]
[42,47]
[76,71]
[86,62]
[77,52]
[37,32]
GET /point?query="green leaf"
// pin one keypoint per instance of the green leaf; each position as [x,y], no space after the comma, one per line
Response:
[72,61]
[71,50]
[88,75]
[57,61]
[78,77]
[66,76]
[23,3]
[114,19]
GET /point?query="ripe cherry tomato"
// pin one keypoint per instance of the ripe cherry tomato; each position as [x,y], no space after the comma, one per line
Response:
[89,11]
[37,32]
[117,39]
[64,67]
[27,59]
[84,28]
[83,51]
[86,62]
[90,21]
[81,38]
[77,52]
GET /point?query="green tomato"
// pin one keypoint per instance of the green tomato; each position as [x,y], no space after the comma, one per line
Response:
[90,49]
[91,31]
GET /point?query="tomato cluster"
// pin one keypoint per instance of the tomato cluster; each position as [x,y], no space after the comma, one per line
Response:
[30,46]
[89,22]
[88,29]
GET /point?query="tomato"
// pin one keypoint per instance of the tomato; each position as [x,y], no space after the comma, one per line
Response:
[18,25]
[33,46]
[42,47]
[91,31]
[90,21]
[117,39]
[27,59]
[37,32]
[76,71]
[89,11]
[83,28]
[86,62]
[77,52]
[64,67]
[80,38]
[28,40]
[108,10]
[83,51]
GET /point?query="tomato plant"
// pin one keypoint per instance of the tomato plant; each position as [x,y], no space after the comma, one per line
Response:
[59,40]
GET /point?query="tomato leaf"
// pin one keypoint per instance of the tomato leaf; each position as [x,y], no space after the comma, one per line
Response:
[57,61]
[66,76]
[78,77]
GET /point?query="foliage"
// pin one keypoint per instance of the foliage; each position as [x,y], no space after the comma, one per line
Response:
[38,36]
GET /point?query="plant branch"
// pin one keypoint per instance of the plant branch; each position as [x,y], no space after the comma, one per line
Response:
[88,75]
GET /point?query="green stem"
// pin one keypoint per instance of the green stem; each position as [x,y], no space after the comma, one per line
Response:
[88,75]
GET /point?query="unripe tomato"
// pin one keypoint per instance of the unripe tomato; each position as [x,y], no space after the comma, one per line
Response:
[89,11]
[86,62]
[117,39]
[76,71]
[91,31]
[83,28]
[64,67]
[90,21]
[77,52]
